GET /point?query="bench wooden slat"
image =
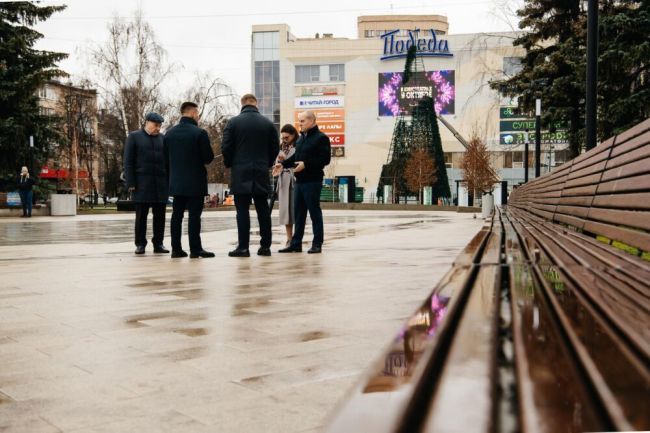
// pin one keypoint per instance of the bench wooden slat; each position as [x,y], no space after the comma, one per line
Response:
[627,184]
[569,219]
[631,169]
[632,144]
[468,376]
[635,219]
[573,210]
[580,190]
[631,156]
[639,200]
[630,237]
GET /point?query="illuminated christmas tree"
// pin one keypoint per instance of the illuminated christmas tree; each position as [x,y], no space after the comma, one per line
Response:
[416,127]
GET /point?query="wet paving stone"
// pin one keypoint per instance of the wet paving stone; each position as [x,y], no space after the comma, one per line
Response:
[94,339]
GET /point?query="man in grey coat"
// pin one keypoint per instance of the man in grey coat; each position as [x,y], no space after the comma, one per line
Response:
[250,145]
[146,179]
[187,151]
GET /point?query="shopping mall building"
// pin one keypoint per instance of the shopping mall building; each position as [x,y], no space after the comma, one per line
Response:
[355,88]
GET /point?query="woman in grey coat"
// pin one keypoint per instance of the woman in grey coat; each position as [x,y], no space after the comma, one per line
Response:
[289,135]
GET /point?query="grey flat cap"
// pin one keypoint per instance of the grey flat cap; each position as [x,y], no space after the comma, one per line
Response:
[154,117]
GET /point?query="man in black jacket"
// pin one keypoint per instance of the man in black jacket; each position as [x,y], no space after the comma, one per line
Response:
[249,147]
[187,151]
[311,156]
[146,180]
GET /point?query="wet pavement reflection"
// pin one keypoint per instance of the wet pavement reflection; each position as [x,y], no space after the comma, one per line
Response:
[94,339]
[105,230]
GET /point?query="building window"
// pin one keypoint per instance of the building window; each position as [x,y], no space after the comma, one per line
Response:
[320,73]
[337,72]
[266,74]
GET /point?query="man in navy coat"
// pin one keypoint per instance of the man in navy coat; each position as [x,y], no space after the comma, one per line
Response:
[146,179]
[250,145]
[187,151]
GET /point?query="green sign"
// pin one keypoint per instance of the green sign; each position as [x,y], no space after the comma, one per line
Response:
[512,138]
[517,125]
[510,113]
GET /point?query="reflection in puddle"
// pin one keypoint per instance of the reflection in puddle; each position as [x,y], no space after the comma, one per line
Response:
[407,349]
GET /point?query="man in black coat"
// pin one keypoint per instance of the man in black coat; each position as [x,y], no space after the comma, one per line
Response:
[249,147]
[146,180]
[313,153]
[187,151]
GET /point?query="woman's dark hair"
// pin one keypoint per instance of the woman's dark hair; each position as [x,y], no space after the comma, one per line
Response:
[290,129]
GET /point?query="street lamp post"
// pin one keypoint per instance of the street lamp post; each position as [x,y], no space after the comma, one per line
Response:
[526,143]
[538,136]
[592,72]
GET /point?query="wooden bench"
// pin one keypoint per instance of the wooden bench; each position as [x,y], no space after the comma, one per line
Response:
[543,322]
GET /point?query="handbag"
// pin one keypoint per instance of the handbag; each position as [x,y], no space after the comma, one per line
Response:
[126,205]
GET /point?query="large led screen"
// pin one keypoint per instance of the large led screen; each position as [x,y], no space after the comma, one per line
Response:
[395,97]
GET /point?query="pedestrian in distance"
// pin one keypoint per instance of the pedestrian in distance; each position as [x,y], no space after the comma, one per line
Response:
[147,181]
[25,185]
[250,146]
[187,151]
[285,181]
[313,153]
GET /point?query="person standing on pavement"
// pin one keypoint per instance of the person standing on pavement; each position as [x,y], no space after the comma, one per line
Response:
[187,151]
[25,184]
[288,135]
[146,180]
[313,153]
[249,147]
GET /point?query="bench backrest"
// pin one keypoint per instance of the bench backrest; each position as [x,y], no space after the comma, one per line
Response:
[604,192]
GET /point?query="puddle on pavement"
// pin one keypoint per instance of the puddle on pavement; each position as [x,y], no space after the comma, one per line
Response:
[314,335]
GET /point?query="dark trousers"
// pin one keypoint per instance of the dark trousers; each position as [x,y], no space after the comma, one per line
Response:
[26,201]
[194,206]
[307,199]
[141,214]
[242,204]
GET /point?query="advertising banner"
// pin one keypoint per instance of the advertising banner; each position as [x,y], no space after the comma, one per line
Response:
[315,102]
[394,97]
[331,122]
[513,125]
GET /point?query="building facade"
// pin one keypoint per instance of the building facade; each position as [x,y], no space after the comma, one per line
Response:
[355,88]
[75,166]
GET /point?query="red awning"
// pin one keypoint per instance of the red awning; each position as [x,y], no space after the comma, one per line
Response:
[62,173]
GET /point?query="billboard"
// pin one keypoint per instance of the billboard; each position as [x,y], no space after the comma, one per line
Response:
[331,122]
[315,102]
[394,97]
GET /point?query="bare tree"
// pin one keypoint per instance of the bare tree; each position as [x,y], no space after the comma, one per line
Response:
[131,67]
[217,103]
[478,173]
[420,171]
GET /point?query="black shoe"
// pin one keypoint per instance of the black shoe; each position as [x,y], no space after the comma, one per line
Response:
[239,252]
[203,254]
[139,249]
[178,254]
[160,249]
[290,249]
[264,251]
[315,249]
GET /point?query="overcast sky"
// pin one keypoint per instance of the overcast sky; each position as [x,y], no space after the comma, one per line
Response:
[214,36]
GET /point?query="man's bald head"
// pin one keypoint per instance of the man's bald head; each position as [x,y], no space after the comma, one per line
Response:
[307,120]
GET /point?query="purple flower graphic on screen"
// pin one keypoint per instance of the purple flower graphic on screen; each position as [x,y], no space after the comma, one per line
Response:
[388,93]
[445,91]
